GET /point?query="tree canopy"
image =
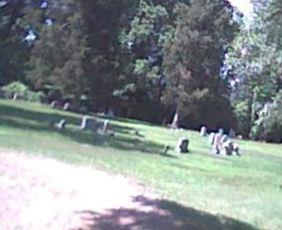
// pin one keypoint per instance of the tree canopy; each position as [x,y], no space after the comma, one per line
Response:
[154,60]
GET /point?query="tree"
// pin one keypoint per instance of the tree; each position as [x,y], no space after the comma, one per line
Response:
[105,20]
[14,48]
[59,54]
[143,43]
[193,60]
[255,66]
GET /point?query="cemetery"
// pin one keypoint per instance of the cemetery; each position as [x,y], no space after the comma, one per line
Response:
[154,155]
[140,115]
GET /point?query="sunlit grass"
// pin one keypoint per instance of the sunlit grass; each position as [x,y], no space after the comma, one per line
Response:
[247,188]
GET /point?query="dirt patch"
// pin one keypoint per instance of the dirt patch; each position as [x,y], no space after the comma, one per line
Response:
[39,193]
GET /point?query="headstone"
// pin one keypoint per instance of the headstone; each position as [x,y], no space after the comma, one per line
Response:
[111,113]
[166,149]
[203,131]
[224,138]
[236,149]
[221,131]
[15,96]
[61,124]
[182,145]
[232,134]
[217,143]
[88,123]
[66,106]
[227,148]
[105,126]
[211,138]
[53,104]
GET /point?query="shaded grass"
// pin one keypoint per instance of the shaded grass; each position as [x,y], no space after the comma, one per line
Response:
[170,215]
[246,188]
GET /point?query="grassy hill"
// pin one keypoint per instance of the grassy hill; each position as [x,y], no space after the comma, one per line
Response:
[247,188]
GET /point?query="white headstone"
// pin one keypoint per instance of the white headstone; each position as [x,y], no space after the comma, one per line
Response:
[236,149]
[61,124]
[224,138]
[53,104]
[66,106]
[211,138]
[217,143]
[203,131]
[105,126]
[15,96]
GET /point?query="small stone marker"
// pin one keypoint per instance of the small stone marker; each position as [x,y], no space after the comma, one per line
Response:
[211,138]
[166,149]
[217,143]
[88,123]
[53,104]
[232,134]
[236,149]
[221,131]
[182,145]
[61,124]
[15,96]
[66,106]
[111,113]
[227,148]
[102,128]
[203,131]
[224,138]
[105,126]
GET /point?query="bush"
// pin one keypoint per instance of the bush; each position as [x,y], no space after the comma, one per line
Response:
[22,91]
[243,118]
[268,126]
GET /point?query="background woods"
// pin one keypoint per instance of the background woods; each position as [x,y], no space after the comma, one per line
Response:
[150,60]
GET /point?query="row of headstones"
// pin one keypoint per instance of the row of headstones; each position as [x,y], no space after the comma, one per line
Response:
[56,104]
[88,123]
[221,143]
[67,106]
[204,132]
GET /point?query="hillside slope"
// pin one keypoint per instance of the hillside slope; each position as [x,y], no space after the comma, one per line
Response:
[247,188]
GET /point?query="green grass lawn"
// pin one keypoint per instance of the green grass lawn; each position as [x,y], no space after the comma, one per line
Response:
[247,188]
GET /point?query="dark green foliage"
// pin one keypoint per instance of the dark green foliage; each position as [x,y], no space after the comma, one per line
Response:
[255,63]
[13,50]
[193,60]
[59,56]
[268,126]
[145,59]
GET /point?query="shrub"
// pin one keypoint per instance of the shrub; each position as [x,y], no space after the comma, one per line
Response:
[268,126]
[22,91]
[243,118]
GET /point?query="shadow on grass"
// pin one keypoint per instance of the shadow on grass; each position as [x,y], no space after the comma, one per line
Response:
[158,214]
[126,138]
[117,142]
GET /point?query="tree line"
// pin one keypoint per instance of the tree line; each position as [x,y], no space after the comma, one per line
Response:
[149,59]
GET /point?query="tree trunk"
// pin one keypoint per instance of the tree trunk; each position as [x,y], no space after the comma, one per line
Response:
[175,120]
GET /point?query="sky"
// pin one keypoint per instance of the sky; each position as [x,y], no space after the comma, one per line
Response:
[245,6]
